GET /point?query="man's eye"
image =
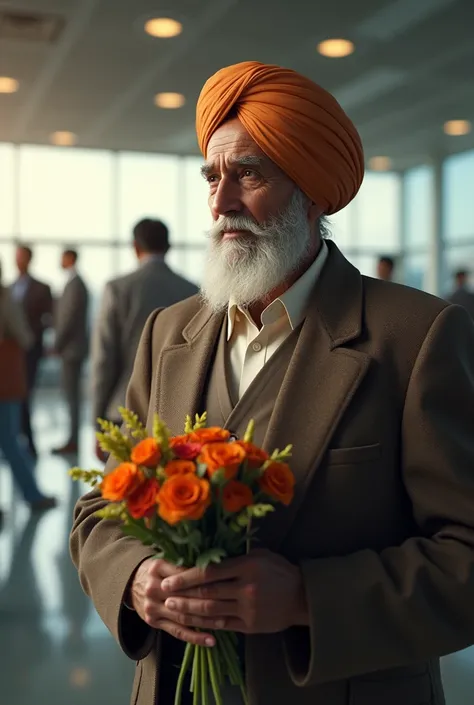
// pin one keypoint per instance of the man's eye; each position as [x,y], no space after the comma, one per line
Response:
[211,179]
[249,173]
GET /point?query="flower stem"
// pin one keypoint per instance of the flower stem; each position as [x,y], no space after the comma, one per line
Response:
[212,661]
[203,676]
[195,676]
[188,655]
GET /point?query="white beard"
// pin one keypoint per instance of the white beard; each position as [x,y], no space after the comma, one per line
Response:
[248,268]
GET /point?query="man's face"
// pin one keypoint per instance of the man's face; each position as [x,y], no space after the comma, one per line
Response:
[384,271]
[22,258]
[242,179]
[65,261]
[461,279]
[263,223]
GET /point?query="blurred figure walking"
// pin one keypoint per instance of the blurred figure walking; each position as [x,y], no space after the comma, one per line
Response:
[15,339]
[127,302]
[462,295]
[71,328]
[36,301]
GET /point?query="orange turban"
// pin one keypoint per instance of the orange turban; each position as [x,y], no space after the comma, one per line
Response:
[296,123]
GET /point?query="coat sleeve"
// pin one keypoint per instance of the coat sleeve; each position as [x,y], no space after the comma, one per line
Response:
[106,559]
[373,611]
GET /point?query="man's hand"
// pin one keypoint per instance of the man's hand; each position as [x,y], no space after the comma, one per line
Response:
[255,594]
[148,599]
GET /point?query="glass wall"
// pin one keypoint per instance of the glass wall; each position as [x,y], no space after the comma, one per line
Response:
[53,198]
[458,221]
[417,225]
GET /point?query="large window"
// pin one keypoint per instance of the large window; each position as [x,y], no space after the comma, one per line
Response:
[458,179]
[418,185]
[7,189]
[148,186]
[377,213]
[195,196]
[65,194]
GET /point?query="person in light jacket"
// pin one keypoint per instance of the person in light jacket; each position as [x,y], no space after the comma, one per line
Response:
[15,339]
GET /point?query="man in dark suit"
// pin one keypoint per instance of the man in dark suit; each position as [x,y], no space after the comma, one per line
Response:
[71,327]
[461,295]
[37,303]
[126,305]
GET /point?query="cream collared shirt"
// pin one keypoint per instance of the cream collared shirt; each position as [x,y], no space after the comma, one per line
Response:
[249,347]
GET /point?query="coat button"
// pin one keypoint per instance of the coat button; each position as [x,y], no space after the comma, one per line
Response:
[233,438]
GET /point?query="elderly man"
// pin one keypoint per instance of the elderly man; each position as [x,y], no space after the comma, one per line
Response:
[357,588]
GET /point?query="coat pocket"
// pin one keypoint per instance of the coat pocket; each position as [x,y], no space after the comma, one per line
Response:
[355,455]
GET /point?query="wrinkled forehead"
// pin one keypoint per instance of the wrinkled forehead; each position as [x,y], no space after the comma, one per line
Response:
[232,146]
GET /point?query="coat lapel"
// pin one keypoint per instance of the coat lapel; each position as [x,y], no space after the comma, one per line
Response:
[320,382]
[183,370]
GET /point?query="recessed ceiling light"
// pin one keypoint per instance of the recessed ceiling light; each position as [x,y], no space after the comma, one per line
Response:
[169,100]
[163,27]
[380,163]
[336,48]
[457,127]
[63,138]
[8,85]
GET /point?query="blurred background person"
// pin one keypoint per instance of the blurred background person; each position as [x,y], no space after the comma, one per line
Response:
[127,302]
[71,344]
[36,302]
[462,295]
[385,268]
[16,338]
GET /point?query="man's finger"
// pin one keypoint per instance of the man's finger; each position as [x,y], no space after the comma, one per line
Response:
[184,634]
[203,608]
[162,569]
[225,590]
[195,577]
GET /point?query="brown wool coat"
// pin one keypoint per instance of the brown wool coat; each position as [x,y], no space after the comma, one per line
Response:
[378,400]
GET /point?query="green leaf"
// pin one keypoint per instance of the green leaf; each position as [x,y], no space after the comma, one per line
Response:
[260,510]
[213,555]
[218,478]
[146,538]
[201,470]
[173,535]
[249,433]
[243,520]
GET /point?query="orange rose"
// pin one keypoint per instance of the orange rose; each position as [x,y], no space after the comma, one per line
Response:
[146,453]
[183,498]
[179,467]
[278,482]
[183,447]
[222,456]
[236,496]
[213,434]
[143,500]
[121,482]
[256,457]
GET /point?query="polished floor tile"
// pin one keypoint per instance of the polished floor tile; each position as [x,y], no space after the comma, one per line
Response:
[53,647]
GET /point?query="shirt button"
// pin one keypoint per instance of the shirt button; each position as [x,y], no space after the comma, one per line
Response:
[256,347]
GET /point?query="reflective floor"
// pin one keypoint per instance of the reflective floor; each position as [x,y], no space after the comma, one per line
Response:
[53,647]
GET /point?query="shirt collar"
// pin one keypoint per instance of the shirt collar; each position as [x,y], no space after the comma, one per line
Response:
[292,303]
[152,257]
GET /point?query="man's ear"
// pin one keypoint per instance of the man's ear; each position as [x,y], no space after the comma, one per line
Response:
[314,212]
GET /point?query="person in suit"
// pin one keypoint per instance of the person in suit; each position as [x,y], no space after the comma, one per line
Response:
[461,295]
[71,344]
[37,303]
[354,591]
[385,268]
[127,302]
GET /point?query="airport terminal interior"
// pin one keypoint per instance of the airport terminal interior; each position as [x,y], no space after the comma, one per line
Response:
[97,105]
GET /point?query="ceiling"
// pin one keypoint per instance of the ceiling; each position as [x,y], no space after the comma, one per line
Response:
[412,69]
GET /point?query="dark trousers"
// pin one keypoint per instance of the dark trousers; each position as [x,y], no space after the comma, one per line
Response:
[33,358]
[71,382]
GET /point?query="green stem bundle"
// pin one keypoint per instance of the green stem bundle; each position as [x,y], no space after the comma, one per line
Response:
[210,669]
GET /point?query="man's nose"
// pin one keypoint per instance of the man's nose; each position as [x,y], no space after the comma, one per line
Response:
[226,199]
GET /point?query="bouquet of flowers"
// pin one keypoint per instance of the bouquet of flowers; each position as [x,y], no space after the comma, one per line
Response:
[193,498]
